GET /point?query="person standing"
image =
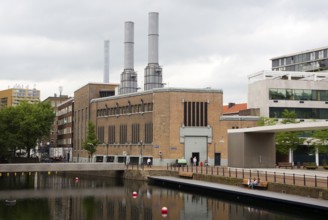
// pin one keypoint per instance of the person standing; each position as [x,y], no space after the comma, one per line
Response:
[149,162]
[195,161]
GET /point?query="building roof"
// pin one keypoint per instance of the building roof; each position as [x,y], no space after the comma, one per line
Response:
[233,108]
[157,90]
[305,126]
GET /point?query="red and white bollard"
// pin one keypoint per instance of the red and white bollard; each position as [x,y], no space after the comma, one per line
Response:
[134,194]
[164,211]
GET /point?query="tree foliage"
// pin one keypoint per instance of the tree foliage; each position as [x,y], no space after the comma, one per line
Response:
[288,140]
[21,126]
[265,121]
[321,140]
[90,144]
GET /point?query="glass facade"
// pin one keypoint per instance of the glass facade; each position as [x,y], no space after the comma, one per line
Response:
[302,113]
[308,62]
[298,94]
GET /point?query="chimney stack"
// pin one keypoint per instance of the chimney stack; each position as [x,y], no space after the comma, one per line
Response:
[153,72]
[128,76]
[106,61]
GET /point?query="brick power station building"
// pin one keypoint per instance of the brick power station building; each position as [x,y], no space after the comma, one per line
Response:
[163,124]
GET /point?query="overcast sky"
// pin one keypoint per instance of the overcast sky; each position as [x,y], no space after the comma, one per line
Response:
[202,43]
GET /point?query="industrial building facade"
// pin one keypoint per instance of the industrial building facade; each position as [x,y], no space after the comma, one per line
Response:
[162,124]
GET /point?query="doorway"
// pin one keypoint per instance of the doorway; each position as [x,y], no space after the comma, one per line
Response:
[195,154]
[217,159]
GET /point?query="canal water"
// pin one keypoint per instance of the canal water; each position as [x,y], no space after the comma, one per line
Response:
[43,196]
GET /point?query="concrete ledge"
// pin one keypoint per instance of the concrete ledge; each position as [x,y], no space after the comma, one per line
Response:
[44,167]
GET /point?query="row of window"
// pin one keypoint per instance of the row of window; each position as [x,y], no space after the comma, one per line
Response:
[298,94]
[64,110]
[123,134]
[303,113]
[64,141]
[300,58]
[122,110]
[67,130]
[65,120]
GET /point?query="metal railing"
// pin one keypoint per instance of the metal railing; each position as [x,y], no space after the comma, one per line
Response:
[274,177]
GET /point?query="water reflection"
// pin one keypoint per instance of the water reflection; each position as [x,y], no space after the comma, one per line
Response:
[45,196]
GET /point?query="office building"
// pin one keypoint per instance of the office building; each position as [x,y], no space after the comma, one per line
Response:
[313,60]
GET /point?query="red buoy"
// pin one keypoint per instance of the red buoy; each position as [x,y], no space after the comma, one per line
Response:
[134,194]
[164,211]
[77,179]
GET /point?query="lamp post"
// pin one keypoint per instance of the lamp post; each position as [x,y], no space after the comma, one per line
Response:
[141,152]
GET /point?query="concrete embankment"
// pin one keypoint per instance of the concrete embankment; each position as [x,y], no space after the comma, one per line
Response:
[142,175]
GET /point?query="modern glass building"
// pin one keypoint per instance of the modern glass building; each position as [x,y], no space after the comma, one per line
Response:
[306,61]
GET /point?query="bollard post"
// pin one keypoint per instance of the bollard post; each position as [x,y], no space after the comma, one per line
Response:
[294,178]
[212,170]
[250,173]
[284,178]
[236,173]
[315,180]
[266,176]
[218,173]
[243,174]
[304,180]
[223,171]
[258,175]
[229,172]
[274,177]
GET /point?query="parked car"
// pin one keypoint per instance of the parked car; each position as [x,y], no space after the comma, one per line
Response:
[180,162]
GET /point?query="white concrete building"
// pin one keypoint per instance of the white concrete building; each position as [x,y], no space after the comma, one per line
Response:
[306,93]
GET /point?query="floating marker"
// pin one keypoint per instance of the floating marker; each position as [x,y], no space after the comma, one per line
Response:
[77,179]
[49,172]
[7,174]
[134,194]
[15,174]
[22,173]
[164,211]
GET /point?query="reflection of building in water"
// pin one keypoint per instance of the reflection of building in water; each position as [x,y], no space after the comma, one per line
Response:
[195,207]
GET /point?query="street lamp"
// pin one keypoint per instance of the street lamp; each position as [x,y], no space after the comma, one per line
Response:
[141,152]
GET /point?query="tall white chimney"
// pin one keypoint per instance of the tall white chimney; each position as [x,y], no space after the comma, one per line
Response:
[128,76]
[153,71]
[106,61]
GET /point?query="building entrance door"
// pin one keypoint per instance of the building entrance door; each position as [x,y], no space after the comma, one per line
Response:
[195,154]
[217,159]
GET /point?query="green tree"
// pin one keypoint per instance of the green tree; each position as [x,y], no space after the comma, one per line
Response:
[288,140]
[90,144]
[24,124]
[289,117]
[321,140]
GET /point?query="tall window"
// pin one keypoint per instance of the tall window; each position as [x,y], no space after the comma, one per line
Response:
[111,134]
[135,133]
[101,132]
[123,134]
[149,133]
[195,114]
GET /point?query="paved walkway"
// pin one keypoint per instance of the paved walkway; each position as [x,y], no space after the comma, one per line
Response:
[319,204]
